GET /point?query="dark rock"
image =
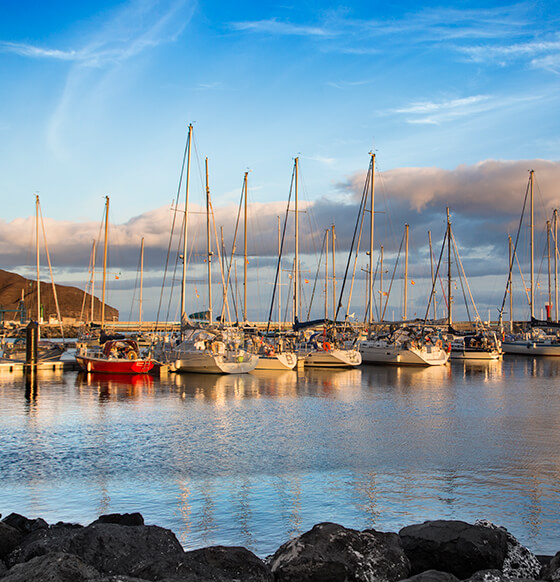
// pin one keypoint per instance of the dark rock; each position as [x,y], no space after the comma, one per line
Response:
[3,568]
[331,552]
[121,519]
[55,567]
[453,546]
[111,548]
[10,537]
[213,564]
[120,578]
[551,571]
[519,561]
[432,576]
[495,576]
[23,524]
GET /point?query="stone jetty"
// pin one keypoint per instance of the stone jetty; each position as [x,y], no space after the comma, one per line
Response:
[121,548]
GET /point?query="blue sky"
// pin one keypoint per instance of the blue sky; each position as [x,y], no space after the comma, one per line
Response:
[96,98]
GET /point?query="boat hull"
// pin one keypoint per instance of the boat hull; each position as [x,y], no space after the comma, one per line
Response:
[334,358]
[114,366]
[474,354]
[395,354]
[202,362]
[281,361]
[531,348]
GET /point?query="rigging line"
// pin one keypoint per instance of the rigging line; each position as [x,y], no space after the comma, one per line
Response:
[279,264]
[392,279]
[51,272]
[135,286]
[86,286]
[172,230]
[317,274]
[360,213]
[434,281]
[514,254]
[463,279]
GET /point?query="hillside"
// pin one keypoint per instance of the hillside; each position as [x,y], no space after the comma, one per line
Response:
[70,299]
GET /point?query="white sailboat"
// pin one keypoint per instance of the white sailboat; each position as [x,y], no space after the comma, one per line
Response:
[404,346]
[209,350]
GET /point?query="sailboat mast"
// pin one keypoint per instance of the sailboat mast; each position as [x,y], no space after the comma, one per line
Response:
[141,278]
[326,274]
[185,227]
[405,314]
[208,245]
[105,260]
[532,249]
[245,251]
[510,287]
[279,277]
[449,302]
[549,310]
[333,240]
[371,206]
[37,255]
[380,281]
[432,270]
[93,247]
[296,253]
[556,265]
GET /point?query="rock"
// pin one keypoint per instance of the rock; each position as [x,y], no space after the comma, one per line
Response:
[213,564]
[551,571]
[331,552]
[453,546]
[121,519]
[432,576]
[495,576]
[3,568]
[55,567]
[23,524]
[10,537]
[111,548]
[119,578]
[519,561]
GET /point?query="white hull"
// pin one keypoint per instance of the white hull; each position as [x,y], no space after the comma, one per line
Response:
[531,348]
[334,358]
[204,362]
[379,352]
[474,354]
[281,361]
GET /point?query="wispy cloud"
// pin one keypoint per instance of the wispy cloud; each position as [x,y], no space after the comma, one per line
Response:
[274,26]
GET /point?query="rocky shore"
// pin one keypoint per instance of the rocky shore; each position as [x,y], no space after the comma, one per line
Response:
[121,548]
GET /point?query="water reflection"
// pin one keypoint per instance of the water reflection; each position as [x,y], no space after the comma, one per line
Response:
[116,386]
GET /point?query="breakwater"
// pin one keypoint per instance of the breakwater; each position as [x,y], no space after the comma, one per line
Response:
[119,547]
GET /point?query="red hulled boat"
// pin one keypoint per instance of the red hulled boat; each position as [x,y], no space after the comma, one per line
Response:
[116,357]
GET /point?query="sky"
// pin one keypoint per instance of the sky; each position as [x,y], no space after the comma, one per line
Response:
[458,102]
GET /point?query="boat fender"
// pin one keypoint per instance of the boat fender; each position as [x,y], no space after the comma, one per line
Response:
[449,347]
[132,355]
[326,346]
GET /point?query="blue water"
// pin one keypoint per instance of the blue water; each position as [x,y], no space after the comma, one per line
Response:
[255,459]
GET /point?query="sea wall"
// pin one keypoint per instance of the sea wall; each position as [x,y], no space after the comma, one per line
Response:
[122,548]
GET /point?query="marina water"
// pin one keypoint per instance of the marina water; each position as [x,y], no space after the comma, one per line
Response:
[255,459]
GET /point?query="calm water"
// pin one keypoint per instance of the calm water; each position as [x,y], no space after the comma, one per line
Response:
[255,459]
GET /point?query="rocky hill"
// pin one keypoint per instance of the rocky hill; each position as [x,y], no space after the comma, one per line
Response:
[70,300]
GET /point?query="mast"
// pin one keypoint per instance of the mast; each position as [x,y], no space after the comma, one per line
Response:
[245,252]
[555,265]
[449,311]
[93,247]
[141,277]
[510,288]
[296,260]
[280,277]
[371,206]
[185,227]
[432,270]
[532,225]
[326,274]
[105,260]
[381,282]
[37,255]
[405,271]
[333,274]
[549,310]
[208,245]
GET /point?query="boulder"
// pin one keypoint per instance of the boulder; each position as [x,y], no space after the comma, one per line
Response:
[55,567]
[432,576]
[551,571]
[213,564]
[495,576]
[453,546]
[111,548]
[23,524]
[331,552]
[10,537]
[519,561]
[121,519]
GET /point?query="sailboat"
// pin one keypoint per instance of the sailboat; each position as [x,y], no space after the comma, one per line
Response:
[116,356]
[404,345]
[535,341]
[210,350]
